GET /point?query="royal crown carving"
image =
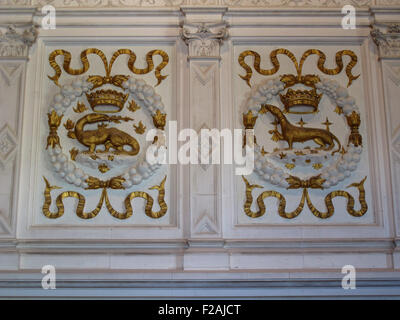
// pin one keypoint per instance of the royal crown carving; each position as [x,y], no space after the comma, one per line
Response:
[113,99]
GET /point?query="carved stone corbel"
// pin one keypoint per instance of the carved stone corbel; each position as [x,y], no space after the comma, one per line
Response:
[15,42]
[388,41]
[204,39]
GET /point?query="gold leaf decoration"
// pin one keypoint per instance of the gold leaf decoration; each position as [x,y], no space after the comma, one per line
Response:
[290,166]
[140,129]
[314,182]
[338,110]
[275,136]
[133,106]
[317,166]
[54,121]
[263,152]
[263,109]
[69,124]
[103,168]
[80,107]
[290,80]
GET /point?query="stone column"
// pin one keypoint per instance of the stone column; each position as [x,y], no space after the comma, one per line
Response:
[204,39]
[14,50]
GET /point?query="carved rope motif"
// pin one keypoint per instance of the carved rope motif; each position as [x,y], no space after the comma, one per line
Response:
[305,197]
[298,66]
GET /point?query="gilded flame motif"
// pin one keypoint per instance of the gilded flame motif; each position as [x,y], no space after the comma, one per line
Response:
[140,128]
[133,106]
[54,121]
[354,121]
[80,107]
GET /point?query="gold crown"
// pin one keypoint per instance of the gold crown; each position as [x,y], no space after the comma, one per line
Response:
[296,98]
[107,98]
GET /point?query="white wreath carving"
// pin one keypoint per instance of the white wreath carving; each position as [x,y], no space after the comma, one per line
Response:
[264,92]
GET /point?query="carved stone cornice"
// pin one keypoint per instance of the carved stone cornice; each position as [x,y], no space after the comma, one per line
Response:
[15,42]
[387,41]
[204,39]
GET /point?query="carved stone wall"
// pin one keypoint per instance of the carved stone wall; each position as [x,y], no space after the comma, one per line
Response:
[208,65]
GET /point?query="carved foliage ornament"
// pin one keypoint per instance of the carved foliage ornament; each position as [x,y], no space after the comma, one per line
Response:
[104,148]
[339,161]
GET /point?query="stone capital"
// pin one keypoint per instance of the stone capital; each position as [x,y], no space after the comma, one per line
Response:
[387,38]
[15,41]
[204,38]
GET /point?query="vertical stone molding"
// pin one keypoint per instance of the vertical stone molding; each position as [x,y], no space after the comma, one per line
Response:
[204,40]
[14,50]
